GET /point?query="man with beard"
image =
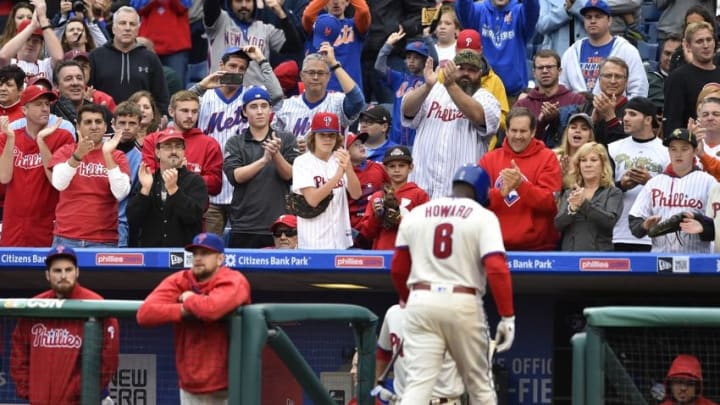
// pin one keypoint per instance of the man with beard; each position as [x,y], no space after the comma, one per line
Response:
[92,177]
[237,25]
[451,117]
[195,301]
[684,83]
[45,363]
[30,200]
[549,97]
[69,79]
[12,81]
[166,208]
[202,153]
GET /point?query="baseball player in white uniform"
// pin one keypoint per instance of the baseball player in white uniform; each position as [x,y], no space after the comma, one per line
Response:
[221,114]
[446,250]
[682,187]
[326,169]
[297,111]
[449,386]
[452,117]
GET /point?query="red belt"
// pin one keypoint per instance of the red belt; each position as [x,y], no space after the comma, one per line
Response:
[456,289]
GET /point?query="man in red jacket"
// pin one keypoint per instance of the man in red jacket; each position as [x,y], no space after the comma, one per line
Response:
[195,300]
[203,153]
[45,361]
[527,180]
[684,382]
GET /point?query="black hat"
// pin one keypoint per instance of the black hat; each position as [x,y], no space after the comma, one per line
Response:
[377,113]
[397,153]
[642,105]
[681,134]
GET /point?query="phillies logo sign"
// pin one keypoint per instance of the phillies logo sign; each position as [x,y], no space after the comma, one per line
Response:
[328,121]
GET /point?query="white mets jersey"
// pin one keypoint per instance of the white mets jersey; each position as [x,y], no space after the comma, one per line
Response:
[296,113]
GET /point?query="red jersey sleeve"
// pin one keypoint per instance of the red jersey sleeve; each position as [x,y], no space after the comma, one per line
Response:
[122,161]
[162,305]
[362,15]
[61,155]
[228,293]
[111,350]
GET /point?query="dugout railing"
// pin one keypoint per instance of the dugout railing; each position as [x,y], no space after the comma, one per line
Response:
[600,365]
[250,328]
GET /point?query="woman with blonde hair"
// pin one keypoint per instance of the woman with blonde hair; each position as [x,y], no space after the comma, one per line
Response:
[578,132]
[589,210]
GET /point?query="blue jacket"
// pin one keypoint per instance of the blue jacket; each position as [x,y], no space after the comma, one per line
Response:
[554,24]
[505,33]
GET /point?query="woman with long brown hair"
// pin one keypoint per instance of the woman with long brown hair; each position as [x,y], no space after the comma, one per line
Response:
[151,119]
[20,12]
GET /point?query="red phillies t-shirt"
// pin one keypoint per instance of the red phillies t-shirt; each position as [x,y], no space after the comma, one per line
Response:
[87,209]
[30,199]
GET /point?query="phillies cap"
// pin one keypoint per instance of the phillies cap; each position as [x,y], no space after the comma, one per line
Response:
[599,5]
[418,47]
[468,39]
[377,113]
[169,134]
[325,122]
[326,29]
[76,54]
[61,251]
[681,134]
[397,153]
[207,240]
[286,219]
[351,138]
[253,93]
[34,92]
[40,80]
[287,74]
[24,24]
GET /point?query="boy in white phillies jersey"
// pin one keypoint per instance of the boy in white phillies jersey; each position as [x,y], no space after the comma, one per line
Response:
[682,187]
[325,170]
[446,250]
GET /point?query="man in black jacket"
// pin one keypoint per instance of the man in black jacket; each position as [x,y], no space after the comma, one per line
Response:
[69,80]
[166,208]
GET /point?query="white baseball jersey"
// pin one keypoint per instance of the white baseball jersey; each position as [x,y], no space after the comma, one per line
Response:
[296,114]
[448,384]
[226,32]
[446,140]
[331,229]
[713,211]
[448,237]
[42,68]
[221,118]
[667,195]
[628,153]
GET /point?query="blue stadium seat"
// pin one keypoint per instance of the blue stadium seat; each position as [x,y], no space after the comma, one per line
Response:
[651,31]
[650,12]
[648,51]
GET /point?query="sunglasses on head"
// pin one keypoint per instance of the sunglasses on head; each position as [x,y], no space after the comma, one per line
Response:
[288,232]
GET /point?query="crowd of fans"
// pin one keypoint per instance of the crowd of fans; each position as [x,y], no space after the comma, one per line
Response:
[141,123]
